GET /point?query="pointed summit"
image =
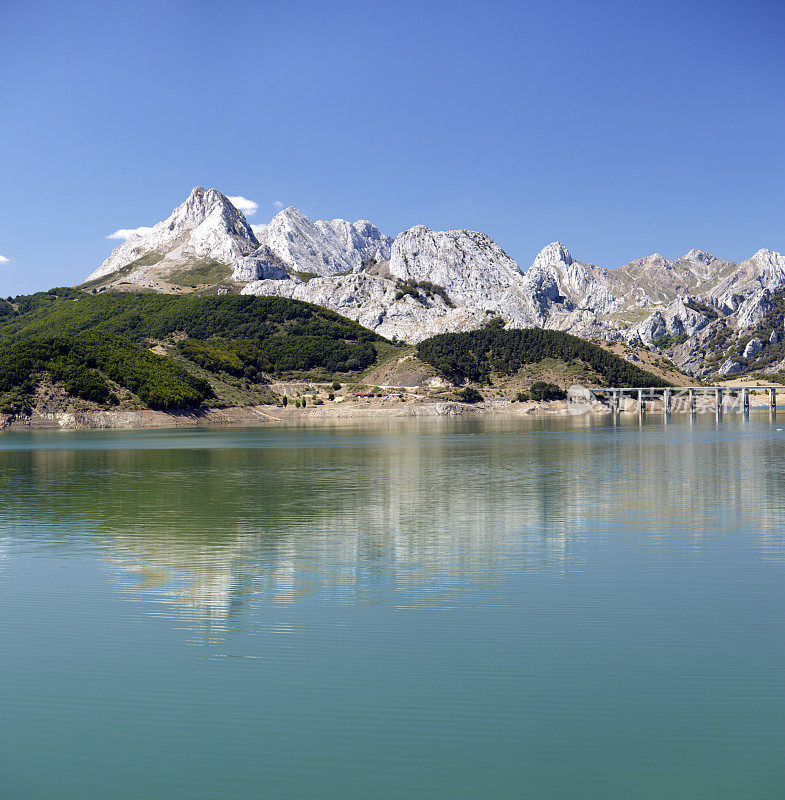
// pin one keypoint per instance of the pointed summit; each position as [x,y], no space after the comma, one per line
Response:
[554,253]
[206,225]
[217,228]
[698,256]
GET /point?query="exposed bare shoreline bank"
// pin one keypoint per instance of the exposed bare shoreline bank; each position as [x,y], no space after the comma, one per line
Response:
[268,414]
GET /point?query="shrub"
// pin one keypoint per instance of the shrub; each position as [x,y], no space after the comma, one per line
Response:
[470,395]
[540,390]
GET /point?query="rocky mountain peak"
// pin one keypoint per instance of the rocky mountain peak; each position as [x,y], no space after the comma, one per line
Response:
[323,247]
[470,266]
[202,204]
[698,256]
[360,238]
[206,225]
[554,253]
[767,258]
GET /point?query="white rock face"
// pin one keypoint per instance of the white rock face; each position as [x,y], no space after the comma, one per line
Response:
[360,239]
[698,257]
[730,367]
[205,225]
[322,248]
[765,270]
[675,320]
[470,266]
[479,278]
[371,301]
[753,310]
[260,265]
[754,346]
[558,283]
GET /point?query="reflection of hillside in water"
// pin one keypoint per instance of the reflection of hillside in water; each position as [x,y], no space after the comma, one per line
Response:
[330,514]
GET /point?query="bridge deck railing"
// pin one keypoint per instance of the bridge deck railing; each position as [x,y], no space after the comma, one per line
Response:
[683,398]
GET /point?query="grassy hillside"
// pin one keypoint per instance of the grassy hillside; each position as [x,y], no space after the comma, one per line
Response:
[207,348]
[480,355]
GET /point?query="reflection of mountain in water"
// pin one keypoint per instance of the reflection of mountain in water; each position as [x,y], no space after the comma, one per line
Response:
[293,515]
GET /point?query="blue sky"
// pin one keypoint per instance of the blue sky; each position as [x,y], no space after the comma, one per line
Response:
[620,128]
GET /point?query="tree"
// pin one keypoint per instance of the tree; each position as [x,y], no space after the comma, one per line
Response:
[540,390]
[470,395]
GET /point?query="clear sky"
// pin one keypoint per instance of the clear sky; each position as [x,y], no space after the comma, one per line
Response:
[620,128]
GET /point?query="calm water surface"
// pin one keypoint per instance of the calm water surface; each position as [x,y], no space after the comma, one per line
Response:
[418,609]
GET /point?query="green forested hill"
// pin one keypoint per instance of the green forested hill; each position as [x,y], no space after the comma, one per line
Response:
[477,355]
[84,363]
[155,316]
[66,333]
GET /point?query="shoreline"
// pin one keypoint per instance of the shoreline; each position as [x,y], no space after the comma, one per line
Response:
[250,416]
[268,414]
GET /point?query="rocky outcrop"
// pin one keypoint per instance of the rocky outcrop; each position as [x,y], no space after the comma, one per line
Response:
[754,346]
[765,270]
[559,284]
[679,318]
[730,367]
[260,265]
[470,266]
[472,276]
[373,302]
[753,310]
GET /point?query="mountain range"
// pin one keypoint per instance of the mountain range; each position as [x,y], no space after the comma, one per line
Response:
[709,315]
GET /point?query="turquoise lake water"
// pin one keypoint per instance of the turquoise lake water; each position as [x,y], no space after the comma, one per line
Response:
[540,608]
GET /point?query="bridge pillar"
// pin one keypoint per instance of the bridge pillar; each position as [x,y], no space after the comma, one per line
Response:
[772,399]
[692,401]
[641,406]
[718,399]
[745,401]
[666,401]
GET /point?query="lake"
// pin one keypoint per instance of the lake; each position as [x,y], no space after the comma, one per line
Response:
[517,608]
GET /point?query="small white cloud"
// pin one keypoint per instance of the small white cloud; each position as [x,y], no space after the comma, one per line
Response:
[248,207]
[4,260]
[278,204]
[258,229]
[127,233]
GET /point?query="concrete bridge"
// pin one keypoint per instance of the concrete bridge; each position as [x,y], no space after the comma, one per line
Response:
[690,399]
